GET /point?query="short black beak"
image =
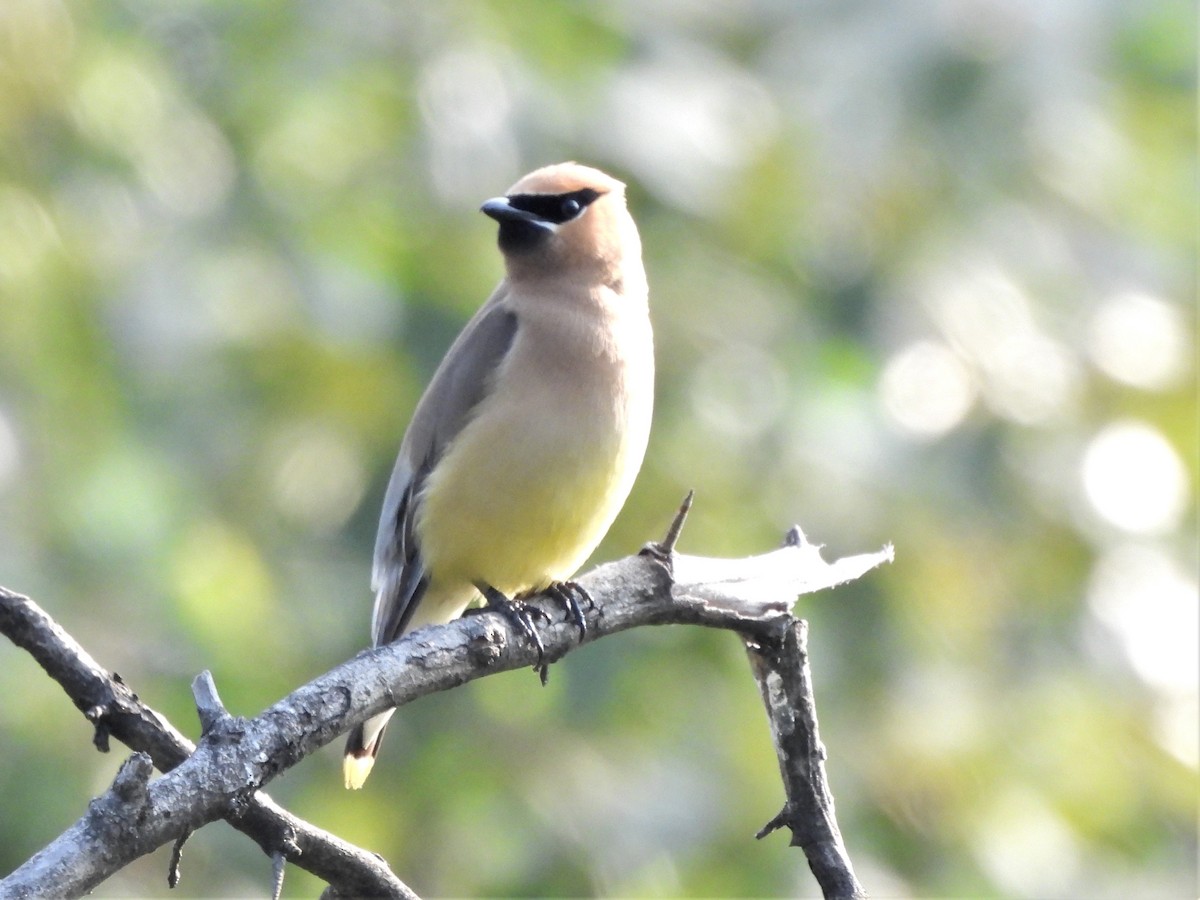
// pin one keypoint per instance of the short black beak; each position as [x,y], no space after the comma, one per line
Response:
[502,211]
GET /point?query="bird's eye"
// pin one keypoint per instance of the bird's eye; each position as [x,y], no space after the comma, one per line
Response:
[570,208]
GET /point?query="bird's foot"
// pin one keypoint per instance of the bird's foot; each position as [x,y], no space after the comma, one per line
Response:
[571,595]
[521,615]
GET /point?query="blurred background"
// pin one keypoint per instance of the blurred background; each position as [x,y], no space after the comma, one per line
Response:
[921,273]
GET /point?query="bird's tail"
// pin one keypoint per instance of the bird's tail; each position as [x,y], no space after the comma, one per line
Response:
[361,749]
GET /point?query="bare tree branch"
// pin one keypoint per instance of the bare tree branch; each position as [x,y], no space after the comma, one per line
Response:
[116,710]
[236,757]
[780,665]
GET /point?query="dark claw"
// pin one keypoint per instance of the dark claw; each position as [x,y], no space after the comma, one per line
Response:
[571,595]
[521,615]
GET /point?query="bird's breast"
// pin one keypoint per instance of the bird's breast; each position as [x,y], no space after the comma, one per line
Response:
[533,481]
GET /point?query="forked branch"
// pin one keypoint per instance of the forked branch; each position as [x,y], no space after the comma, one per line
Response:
[223,775]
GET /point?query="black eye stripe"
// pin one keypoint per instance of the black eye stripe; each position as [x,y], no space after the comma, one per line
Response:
[556,208]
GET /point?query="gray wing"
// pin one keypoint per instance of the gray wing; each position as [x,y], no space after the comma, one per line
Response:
[461,381]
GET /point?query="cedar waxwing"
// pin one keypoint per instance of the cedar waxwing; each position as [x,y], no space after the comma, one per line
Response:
[528,439]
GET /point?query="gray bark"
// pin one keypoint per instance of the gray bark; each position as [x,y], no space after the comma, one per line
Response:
[235,758]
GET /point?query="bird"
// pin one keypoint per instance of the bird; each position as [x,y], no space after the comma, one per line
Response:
[529,436]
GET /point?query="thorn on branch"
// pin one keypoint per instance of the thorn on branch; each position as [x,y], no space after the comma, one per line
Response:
[663,551]
[781,819]
[795,537]
[785,681]
[103,695]
[751,596]
[278,868]
[98,715]
[209,707]
[279,859]
[132,778]
[176,859]
[289,845]
[672,536]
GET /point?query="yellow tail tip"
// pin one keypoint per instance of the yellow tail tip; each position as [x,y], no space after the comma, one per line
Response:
[356,769]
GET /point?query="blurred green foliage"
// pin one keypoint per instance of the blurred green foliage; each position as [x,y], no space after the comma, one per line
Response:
[921,273]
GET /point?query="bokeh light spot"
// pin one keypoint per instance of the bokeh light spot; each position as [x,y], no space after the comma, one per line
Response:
[10,455]
[926,389]
[685,120]
[1150,605]
[188,166]
[38,39]
[122,506]
[224,588]
[247,292]
[119,104]
[1134,480]
[1140,340]
[1030,379]
[740,391]
[319,476]
[27,234]
[466,99]
[1140,595]
[1026,847]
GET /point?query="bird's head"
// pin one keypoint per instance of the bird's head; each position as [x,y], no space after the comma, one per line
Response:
[565,217]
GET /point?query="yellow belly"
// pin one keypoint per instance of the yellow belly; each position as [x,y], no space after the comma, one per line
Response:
[529,486]
[518,508]
[518,526]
